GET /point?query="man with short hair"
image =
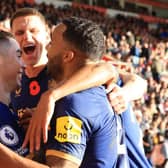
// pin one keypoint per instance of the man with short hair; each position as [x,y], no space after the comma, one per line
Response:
[11,135]
[82,133]
[30,30]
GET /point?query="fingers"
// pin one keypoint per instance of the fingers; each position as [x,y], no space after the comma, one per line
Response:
[36,130]
[38,133]
[29,138]
[33,136]
[119,108]
[110,87]
[117,100]
[26,139]
[34,133]
[45,131]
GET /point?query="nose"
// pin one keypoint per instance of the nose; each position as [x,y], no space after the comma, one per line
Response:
[27,35]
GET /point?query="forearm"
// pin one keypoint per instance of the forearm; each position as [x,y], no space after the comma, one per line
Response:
[9,159]
[134,86]
[89,76]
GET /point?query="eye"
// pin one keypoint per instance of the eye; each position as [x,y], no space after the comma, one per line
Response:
[35,31]
[19,52]
[18,33]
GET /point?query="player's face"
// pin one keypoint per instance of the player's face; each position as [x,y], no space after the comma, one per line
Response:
[31,34]
[13,66]
[56,50]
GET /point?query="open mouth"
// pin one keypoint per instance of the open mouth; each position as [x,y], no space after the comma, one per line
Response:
[29,49]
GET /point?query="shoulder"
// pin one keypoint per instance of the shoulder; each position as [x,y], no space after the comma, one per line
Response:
[98,92]
[86,101]
[86,97]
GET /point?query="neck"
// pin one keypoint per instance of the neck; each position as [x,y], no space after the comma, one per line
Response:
[4,96]
[32,71]
[75,67]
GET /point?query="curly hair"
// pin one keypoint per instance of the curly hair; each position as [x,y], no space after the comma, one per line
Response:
[4,35]
[86,35]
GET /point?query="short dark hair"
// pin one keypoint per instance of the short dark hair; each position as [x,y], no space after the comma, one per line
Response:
[86,35]
[4,35]
[5,42]
[28,12]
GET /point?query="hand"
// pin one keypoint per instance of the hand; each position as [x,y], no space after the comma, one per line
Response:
[24,120]
[40,121]
[116,98]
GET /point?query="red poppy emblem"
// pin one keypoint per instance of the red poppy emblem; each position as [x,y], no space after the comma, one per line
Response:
[34,88]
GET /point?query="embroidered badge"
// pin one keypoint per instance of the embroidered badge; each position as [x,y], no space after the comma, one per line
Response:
[34,88]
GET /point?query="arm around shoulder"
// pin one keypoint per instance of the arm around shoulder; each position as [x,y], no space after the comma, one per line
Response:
[134,86]
[10,159]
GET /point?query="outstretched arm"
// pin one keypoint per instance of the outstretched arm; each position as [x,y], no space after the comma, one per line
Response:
[10,159]
[89,76]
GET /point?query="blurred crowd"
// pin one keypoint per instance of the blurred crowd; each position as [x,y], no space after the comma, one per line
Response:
[133,41]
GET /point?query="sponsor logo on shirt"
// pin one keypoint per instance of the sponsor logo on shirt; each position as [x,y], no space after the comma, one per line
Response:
[68,129]
[8,136]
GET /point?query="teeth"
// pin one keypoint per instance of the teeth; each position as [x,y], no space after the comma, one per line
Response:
[29,49]
[30,45]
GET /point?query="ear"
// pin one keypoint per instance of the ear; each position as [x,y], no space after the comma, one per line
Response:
[48,38]
[68,56]
[48,35]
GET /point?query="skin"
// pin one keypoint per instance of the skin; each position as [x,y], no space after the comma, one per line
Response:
[27,33]
[9,158]
[10,68]
[119,97]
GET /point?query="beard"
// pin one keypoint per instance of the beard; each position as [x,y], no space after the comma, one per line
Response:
[55,68]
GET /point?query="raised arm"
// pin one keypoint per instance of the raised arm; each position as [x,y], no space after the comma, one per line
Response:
[88,76]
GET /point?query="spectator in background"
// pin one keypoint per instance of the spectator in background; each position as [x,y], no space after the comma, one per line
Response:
[145,51]
[138,28]
[135,53]
[148,143]
[165,151]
